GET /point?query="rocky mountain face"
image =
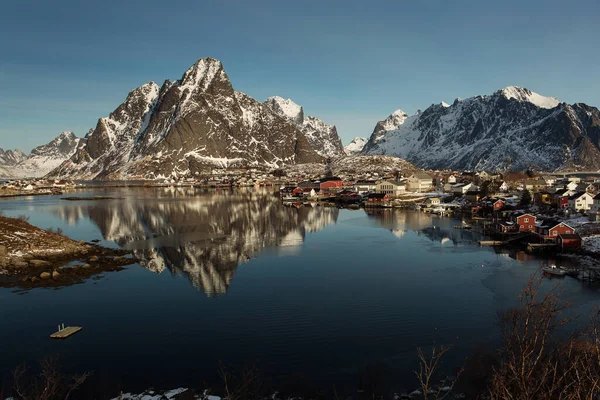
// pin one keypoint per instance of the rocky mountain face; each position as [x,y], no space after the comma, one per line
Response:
[41,160]
[356,145]
[322,137]
[513,128]
[185,127]
[11,157]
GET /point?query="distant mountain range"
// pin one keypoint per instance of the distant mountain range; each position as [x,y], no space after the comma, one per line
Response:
[513,128]
[199,122]
[41,160]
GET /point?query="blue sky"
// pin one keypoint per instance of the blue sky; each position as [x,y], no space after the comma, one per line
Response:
[66,63]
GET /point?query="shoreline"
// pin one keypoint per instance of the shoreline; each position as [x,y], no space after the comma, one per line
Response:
[31,257]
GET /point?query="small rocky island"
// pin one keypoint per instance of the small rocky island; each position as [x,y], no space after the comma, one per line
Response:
[32,257]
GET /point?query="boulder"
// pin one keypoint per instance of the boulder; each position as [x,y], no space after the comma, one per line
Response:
[3,251]
[20,264]
[55,274]
[39,263]
[93,259]
[86,266]
[45,275]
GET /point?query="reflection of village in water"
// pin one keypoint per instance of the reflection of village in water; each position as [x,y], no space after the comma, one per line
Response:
[205,235]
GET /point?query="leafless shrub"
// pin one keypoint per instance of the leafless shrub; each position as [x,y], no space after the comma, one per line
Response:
[23,217]
[50,384]
[429,364]
[244,386]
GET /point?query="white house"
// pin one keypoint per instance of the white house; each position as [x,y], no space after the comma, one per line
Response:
[581,201]
[461,188]
[420,182]
[364,186]
[504,187]
[451,179]
[391,187]
[572,185]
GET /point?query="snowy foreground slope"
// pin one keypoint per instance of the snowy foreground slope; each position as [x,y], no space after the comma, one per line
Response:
[188,125]
[42,160]
[512,128]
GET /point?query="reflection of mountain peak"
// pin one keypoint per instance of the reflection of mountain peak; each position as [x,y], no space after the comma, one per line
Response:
[204,237]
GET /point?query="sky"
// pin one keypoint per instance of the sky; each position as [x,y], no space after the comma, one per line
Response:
[64,64]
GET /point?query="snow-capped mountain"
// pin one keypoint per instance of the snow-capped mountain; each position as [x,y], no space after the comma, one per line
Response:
[41,160]
[512,128]
[11,157]
[355,146]
[322,137]
[185,127]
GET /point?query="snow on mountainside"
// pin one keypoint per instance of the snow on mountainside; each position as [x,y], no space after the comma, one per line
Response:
[512,128]
[186,127]
[42,159]
[11,157]
[322,137]
[356,145]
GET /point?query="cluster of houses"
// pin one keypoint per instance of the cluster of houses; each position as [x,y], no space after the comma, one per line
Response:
[552,230]
[34,185]
[370,191]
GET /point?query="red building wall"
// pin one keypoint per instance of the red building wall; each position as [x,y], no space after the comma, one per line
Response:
[560,229]
[331,184]
[526,223]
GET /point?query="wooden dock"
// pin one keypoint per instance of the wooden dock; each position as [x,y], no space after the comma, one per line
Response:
[64,333]
[490,243]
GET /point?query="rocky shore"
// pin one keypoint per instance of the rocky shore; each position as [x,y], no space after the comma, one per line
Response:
[32,257]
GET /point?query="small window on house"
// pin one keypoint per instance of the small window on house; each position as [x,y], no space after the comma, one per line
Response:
[554,233]
[568,232]
[526,219]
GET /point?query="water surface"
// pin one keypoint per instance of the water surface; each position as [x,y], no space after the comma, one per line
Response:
[235,276]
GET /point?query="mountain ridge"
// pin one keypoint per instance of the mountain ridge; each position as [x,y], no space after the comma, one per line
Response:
[513,128]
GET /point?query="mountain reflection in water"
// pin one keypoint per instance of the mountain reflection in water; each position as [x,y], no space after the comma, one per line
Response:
[203,235]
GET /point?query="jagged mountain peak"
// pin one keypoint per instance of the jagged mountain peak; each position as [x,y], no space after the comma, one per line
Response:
[286,108]
[526,95]
[62,145]
[186,127]
[356,145]
[321,136]
[393,121]
[202,73]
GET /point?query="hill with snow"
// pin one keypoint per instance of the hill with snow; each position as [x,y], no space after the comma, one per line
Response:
[41,160]
[513,128]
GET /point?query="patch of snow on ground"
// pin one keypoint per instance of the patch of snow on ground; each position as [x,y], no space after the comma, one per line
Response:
[592,243]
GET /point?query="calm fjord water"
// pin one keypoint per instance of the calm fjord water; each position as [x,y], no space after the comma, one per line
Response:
[236,276]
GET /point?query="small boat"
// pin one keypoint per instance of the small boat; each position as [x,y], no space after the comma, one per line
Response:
[554,270]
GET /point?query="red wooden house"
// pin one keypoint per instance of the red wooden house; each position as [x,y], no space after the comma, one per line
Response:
[569,241]
[499,205]
[526,223]
[560,229]
[377,199]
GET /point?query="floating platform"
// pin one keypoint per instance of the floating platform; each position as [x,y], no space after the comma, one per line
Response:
[64,333]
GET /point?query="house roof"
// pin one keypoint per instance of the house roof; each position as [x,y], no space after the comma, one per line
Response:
[376,195]
[570,236]
[365,182]
[560,192]
[421,175]
[393,182]
[577,195]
